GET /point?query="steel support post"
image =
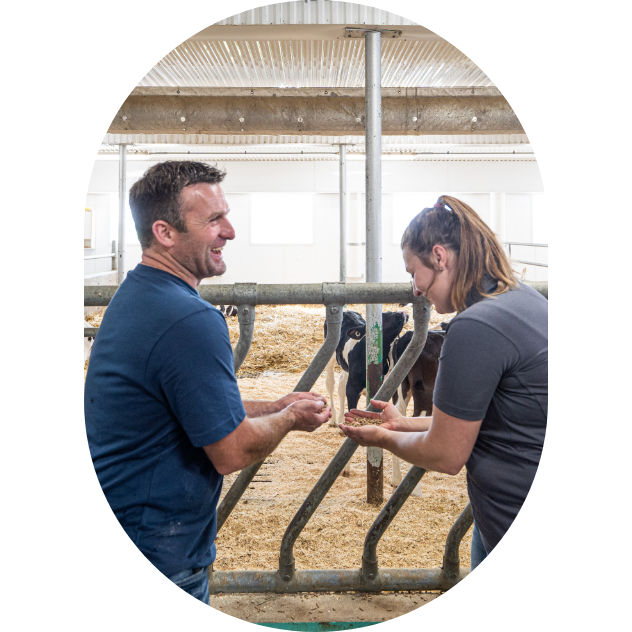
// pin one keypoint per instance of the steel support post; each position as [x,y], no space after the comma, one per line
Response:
[343,213]
[451,561]
[114,266]
[120,274]
[373,175]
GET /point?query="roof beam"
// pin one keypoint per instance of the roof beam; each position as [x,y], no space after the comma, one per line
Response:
[313,111]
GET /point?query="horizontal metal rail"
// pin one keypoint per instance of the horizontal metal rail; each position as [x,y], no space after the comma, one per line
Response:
[108,256]
[521,243]
[531,263]
[288,294]
[388,579]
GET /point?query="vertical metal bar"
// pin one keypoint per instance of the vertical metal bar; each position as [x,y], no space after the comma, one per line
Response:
[246,316]
[451,561]
[121,226]
[114,253]
[386,516]
[373,179]
[343,213]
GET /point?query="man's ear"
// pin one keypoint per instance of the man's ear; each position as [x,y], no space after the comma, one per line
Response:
[163,233]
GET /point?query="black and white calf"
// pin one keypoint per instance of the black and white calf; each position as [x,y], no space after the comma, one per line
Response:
[228,310]
[418,384]
[351,356]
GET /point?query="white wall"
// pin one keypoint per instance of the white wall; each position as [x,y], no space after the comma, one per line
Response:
[103,205]
[525,212]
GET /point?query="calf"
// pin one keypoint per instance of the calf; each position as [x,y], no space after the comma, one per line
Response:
[351,356]
[352,330]
[228,310]
[419,383]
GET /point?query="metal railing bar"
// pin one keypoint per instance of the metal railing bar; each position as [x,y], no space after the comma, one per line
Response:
[421,317]
[109,255]
[285,294]
[384,519]
[246,295]
[307,380]
[389,579]
[531,263]
[451,561]
[521,243]
[90,332]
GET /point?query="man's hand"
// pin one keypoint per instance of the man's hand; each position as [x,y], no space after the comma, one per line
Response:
[372,436]
[390,417]
[289,399]
[309,414]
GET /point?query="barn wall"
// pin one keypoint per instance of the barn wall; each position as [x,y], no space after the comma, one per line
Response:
[104,208]
[520,182]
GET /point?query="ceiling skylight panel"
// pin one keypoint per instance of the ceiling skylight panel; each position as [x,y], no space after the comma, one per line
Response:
[253,63]
[272,64]
[197,53]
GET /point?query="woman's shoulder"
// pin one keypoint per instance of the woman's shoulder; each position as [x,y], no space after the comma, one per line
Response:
[517,312]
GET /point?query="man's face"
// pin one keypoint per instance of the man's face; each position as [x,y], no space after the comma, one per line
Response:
[199,250]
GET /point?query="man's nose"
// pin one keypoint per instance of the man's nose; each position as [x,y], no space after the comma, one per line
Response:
[228,232]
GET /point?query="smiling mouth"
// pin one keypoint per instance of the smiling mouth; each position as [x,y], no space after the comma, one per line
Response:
[217,251]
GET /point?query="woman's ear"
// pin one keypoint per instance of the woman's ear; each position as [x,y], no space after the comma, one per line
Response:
[440,254]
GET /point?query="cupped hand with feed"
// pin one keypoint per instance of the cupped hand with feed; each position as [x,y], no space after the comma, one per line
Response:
[370,436]
[309,414]
[290,398]
[390,418]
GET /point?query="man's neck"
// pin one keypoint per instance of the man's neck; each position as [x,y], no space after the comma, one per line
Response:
[164,262]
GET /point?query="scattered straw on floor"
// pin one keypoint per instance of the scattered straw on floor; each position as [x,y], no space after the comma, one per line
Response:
[287,337]
[334,537]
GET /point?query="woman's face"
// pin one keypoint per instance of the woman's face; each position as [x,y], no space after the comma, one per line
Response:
[435,285]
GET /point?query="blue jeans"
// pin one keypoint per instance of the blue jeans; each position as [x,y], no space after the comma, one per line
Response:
[195,582]
[478,550]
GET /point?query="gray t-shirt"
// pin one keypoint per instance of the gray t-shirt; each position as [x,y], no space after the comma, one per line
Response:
[494,367]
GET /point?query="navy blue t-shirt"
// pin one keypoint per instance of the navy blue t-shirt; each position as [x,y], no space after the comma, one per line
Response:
[161,385]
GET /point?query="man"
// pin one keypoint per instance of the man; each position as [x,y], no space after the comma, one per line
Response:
[164,417]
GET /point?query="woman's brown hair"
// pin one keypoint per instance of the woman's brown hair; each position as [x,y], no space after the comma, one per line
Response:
[457,227]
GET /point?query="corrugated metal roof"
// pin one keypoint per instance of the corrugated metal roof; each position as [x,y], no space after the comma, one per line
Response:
[310,63]
[316,12]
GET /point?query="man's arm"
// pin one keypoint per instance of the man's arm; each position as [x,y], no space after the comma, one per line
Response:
[258,408]
[445,447]
[255,438]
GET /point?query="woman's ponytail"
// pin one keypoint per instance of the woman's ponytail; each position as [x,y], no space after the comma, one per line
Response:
[457,227]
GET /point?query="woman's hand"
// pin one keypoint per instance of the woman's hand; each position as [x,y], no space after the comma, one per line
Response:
[364,435]
[390,417]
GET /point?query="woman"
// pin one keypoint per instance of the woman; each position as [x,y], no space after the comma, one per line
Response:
[490,396]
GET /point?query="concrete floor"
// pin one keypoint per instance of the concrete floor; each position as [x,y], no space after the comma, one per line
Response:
[319,607]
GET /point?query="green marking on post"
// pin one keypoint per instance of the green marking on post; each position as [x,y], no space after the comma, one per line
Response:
[374,348]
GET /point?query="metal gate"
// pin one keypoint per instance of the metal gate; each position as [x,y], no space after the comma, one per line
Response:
[287,579]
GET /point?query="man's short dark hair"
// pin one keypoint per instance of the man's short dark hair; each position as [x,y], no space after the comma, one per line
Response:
[157,194]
